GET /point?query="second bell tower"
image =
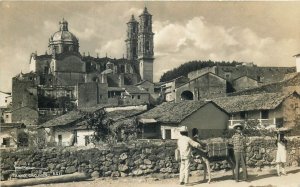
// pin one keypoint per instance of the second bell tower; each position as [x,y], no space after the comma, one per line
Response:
[145,46]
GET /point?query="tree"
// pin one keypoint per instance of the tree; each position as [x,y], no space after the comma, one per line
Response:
[100,123]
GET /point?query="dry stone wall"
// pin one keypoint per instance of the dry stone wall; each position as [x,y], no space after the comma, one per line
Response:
[129,160]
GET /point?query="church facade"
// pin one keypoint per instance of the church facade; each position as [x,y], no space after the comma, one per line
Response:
[63,79]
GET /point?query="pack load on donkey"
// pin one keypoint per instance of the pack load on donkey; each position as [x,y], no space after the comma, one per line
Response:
[217,149]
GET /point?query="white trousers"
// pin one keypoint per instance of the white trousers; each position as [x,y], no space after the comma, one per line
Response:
[184,170]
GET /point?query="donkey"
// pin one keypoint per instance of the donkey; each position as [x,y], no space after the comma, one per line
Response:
[206,160]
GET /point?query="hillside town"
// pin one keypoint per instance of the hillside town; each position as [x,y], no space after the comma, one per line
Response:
[73,100]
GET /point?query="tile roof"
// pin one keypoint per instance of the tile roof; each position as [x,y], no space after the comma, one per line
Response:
[78,116]
[171,112]
[292,79]
[264,101]
[131,89]
[63,119]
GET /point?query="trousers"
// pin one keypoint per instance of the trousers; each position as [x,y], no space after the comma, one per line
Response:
[184,170]
[240,159]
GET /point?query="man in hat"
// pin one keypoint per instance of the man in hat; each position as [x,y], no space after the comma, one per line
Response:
[185,144]
[239,147]
[281,154]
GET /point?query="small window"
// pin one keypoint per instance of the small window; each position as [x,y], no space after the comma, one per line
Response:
[139,97]
[86,140]
[6,116]
[243,115]
[132,97]
[265,114]
[100,96]
[168,134]
[5,101]
[227,76]
[59,139]
[6,142]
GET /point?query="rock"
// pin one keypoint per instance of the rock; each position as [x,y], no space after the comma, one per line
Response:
[51,166]
[115,174]
[138,162]
[107,163]
[147,162]
[115,160]
[143,156]
[123,168]
[153,158]
[123,174]
[258,156]
[102,158]
[123,156]
[58,166]
[110,155]
[143,166]
[113,168]
[108,173]
[148,171]
[70,170]
[163,170]
[137,172]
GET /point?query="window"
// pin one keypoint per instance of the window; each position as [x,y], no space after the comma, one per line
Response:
[279,122]
[132,97]
[86,140]
[59,139]
[6,142]
[6,116]
[168,134]
[139,97]
[265,114]
[227,75]
[147,46]
[243,115]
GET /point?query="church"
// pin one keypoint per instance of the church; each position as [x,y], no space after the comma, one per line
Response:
[63,79]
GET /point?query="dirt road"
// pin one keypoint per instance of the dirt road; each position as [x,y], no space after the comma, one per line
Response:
[266,177]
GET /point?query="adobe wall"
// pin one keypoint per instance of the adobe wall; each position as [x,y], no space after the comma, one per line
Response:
[141,158]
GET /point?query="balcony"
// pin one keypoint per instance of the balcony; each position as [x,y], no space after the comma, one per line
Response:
[262,123]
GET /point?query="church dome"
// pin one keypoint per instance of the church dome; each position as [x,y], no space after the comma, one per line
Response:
[63,35]
[63,40]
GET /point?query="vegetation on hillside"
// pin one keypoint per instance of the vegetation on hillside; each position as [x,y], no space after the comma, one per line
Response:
[185,68]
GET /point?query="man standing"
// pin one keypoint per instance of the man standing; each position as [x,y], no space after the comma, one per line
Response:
[239,147]
[184,146]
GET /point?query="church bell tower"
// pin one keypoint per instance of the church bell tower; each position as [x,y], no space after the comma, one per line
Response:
[132,39]
[145,46]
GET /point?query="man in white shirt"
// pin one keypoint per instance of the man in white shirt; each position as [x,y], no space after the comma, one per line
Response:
[184,146]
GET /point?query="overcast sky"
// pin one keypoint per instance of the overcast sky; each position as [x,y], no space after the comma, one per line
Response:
[266,33]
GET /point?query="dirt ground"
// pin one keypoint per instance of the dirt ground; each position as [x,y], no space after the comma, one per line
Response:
[265,177]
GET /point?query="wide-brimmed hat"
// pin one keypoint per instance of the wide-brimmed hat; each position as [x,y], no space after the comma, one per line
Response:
[183,129]
[283,130]
[235,126]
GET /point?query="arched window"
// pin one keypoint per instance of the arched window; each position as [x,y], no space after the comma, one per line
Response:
[187,95]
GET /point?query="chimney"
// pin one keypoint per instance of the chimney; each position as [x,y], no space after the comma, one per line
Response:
[103,78]
[121,80]
[297,62]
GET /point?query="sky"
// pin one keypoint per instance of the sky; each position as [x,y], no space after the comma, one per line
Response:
[265,33]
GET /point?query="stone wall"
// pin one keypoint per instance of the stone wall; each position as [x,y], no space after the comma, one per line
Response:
[140,158]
